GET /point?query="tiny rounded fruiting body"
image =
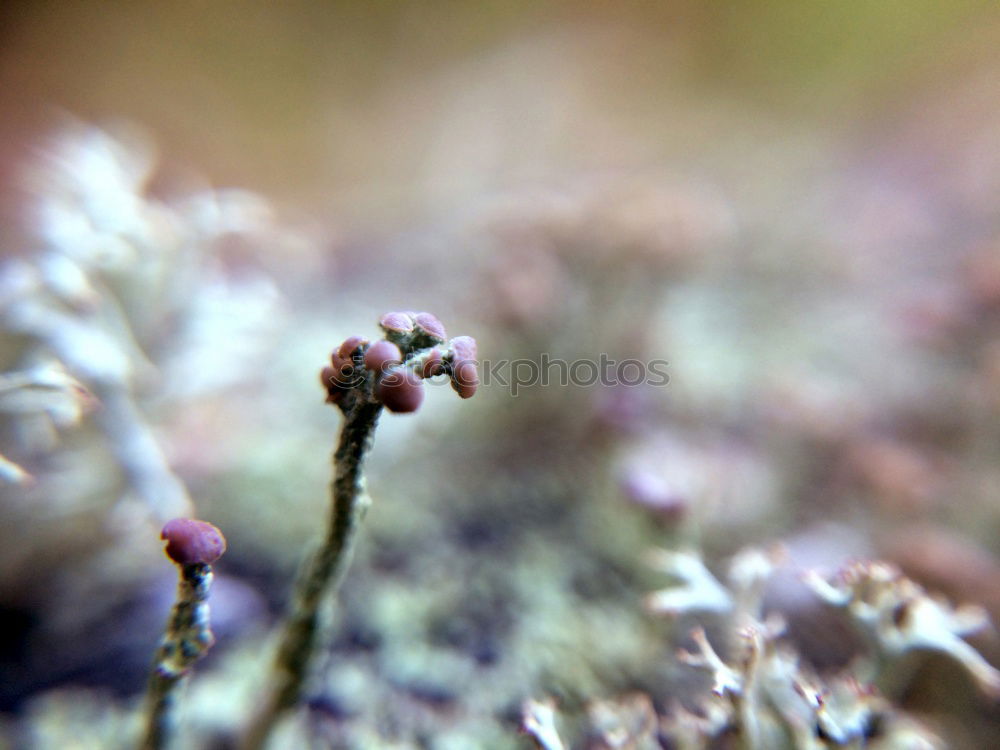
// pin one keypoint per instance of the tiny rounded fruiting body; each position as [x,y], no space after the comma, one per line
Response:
[430,325]
[351,343]
[330,378]
[433,365]
[464,347]
[381,355]
[191,542]
[339,378]
[397,322]
[465,378]
[464,372]
[400,390]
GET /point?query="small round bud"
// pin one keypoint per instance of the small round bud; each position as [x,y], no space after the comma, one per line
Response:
[431,326]
[465,378]
[339,362]
[400,390]
[464,373]
[330,378]
[191,542]
[654,492]
[351,343]
[433,365]
[397,322]
[464,347]
[381,355]
[341,373]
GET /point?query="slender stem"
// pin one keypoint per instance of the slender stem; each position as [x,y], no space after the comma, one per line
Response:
[186,639]
[321,574]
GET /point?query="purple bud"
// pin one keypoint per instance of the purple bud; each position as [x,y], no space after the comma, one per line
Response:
[431,326]
[464,347]
[351,343]
[192,542]
[381,354]
[464,373]
[400,390]
[341,374]
[330,378]
[433,365]
[397,322]
[338,363]
[652,491]
[465,378]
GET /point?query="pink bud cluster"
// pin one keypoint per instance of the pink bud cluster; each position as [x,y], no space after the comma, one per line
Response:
[392,370]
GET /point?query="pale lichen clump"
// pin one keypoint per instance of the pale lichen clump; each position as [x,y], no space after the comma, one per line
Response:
[47,392]
[762,693]
[765,695]
[899,616]
[538,721]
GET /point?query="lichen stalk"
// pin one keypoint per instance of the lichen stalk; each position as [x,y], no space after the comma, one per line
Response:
[186,639]
[323,571]
[361,380]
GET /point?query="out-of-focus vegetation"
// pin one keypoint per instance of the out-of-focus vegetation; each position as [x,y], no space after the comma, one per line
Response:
[793,203]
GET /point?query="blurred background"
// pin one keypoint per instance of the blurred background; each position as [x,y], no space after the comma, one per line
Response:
[793,203]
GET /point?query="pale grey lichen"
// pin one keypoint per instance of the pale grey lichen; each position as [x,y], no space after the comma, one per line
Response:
[766,696]
[626,723]
[761,694]
[696,590]
[898,615]
[108,269]
[538,721]
[51,397]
